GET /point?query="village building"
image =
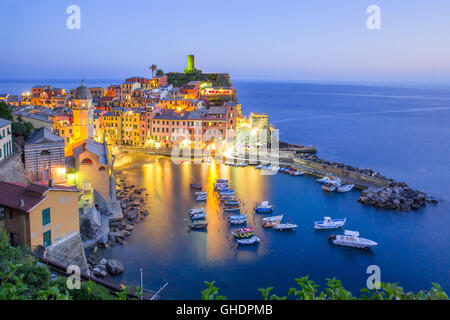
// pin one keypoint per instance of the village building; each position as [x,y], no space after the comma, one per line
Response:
[44,157]
[6,146]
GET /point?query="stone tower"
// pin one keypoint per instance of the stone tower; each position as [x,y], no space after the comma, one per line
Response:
[83,114]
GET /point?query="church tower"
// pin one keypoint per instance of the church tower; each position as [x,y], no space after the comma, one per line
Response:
[83,114]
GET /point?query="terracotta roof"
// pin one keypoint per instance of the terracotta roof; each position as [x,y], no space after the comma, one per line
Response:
[32,195]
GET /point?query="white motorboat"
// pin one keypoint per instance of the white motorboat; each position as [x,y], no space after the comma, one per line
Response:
[196,210]
[284,226]
[264,207]
[198,216]
[249,241]
[298,173]
[259,166]
[352,239]
[345,188]
[330,180]
[328,223]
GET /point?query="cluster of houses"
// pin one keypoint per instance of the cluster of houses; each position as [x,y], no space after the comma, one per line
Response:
[67,158]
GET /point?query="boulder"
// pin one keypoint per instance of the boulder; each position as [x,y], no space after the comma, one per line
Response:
[114,267]
[132,214]
[97,272]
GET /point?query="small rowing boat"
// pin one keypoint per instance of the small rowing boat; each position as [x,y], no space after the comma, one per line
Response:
[196,186]
[196,210]
[249,241]
[200,193]
[284,226]
[200,198]
[329,187]
[345,188]
[198,216]
[198,225]
[232,209]
[243,233]
[231,202]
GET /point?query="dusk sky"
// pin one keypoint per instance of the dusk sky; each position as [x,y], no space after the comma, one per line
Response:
[321,40]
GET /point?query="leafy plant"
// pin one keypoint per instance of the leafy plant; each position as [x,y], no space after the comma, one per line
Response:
[211,292]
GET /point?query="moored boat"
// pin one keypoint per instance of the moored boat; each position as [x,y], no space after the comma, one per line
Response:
[196,210]
[198,224]
[196,186]
[200,198]
[198,216]
[298,173]
[243,233]
[264,207]
[237,217]
[238,222]
[328,223]
[231,202]
[352,239]
[232,209]
[200,193]
[284,226]
[249,241]
[329,187]
[345,188]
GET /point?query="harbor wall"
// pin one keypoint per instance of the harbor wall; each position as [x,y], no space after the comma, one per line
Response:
[342,173]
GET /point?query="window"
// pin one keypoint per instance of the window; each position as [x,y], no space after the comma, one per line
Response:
[47,238]
[45,216]
[86,161]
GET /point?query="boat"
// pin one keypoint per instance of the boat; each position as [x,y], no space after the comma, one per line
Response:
[298,173]
[273,218]
[330,179]
[259,166]
[284,226]
[329,223]
[345,188]
[329,187]
[249,241]
[243,233]
[231,202]
[200,198]
[198,216]
[196,210]
[196,186]
[198,224]
[237,217]
[352,239]
[200,193]
[264,207]
[232,209]
[238,222]
[222,180]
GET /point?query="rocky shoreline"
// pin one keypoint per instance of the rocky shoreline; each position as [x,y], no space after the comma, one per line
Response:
[396,196]
[131,199]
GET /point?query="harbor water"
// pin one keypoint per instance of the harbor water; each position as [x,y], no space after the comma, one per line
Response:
[402,132]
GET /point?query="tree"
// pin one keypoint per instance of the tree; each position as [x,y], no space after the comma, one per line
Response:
[5,111]
[159,73]
[153,68]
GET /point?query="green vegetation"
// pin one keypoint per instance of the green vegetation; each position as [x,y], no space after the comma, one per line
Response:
[22,277]
[182,79]
[159,73]
[309,290]
[19,128]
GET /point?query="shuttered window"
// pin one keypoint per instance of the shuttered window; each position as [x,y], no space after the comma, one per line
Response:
[45,216]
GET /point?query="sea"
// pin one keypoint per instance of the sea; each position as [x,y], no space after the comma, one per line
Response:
[401,131]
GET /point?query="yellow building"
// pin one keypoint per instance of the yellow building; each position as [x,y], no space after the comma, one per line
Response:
[38,214]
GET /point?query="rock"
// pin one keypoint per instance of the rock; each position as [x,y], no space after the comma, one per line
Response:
[132,214]
[86,230]
[103,240]
[114,267]
[97,272]
[129,227]
[103,261]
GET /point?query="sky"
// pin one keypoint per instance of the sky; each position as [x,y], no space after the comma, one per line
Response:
[283,40]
